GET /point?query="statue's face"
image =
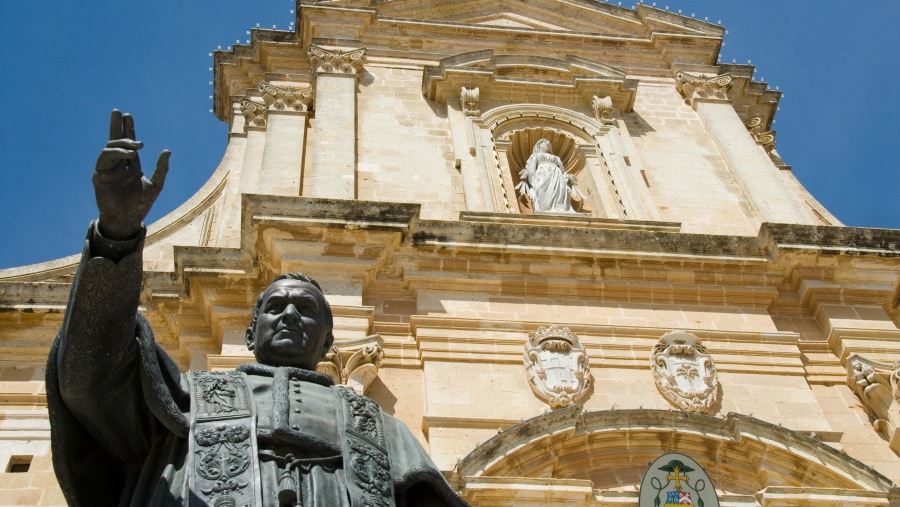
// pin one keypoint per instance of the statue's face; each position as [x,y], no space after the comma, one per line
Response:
[291,329]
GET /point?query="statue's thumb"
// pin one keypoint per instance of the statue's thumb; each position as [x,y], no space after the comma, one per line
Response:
[162,168]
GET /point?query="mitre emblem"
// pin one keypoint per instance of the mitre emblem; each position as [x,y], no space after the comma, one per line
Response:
[557,366]
[684,372]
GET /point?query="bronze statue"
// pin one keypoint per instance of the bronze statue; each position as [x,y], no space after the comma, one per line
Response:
[128,429]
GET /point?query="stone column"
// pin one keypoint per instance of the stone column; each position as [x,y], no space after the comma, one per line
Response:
[332,158]
[751,167]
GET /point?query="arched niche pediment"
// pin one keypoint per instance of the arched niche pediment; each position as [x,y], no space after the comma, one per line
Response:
[742,455]
[570,81]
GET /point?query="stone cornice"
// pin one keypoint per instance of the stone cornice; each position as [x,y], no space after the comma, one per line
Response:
[626,347]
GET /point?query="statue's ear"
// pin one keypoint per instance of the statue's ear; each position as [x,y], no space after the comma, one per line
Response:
[329,341]
[250,338]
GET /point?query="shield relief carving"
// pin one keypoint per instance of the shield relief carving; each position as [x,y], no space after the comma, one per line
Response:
[684,372]
[557,366]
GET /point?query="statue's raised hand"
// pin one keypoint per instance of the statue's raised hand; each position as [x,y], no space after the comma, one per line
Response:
[124,195]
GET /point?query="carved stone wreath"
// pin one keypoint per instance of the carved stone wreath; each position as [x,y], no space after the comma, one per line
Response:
[684,372]
[557,366]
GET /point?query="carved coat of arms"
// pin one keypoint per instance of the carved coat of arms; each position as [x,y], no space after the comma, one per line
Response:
[684,372]
[557,366]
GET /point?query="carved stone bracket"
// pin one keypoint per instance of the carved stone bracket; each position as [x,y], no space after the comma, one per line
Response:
[469,100]
[764,138]
[354,363]
[684,372]
[254,112]
[557,366]
[877,385]
[336,60]
[290,99]
[603,110]
[703,88]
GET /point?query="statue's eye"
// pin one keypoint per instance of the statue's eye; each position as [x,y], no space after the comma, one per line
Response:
[275,307]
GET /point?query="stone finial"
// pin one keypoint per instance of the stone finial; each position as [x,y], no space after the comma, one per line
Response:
[254,112]
[603,110]
[764,138]
[557,366]
[703,88]
[290,99]
[354,363]
[684,372]
[877,385]
[335,60]
[469,99]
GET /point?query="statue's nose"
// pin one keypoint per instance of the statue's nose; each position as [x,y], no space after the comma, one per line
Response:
[291,314]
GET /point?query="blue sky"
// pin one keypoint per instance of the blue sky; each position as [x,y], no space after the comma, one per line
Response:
[64,67]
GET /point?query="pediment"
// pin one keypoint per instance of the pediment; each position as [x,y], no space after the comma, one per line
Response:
[511,20]
[497,75]
[581,16]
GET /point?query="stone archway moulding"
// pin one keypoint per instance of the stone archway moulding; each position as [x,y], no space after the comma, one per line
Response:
[743,455]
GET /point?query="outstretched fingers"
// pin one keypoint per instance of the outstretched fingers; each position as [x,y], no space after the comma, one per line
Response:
[159,175]
[115,125]
[128,126]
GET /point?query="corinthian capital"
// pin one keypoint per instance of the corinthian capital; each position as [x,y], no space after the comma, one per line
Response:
[290,99]
[336,60]
[703,88]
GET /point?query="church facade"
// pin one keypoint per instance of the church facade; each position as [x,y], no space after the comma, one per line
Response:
[558,242]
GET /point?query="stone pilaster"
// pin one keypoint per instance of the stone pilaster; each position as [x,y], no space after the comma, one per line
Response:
[332,161]
[750,165]
[282,160]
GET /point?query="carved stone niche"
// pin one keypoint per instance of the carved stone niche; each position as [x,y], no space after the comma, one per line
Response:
[557,366]
[354,363]
[684,372]
[877,385]
[515,146]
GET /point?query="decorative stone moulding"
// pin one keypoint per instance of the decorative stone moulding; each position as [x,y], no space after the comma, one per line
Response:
[503,78]
[290,99]
[354,363]
[336,61]
[877,385]
[764,138]
[603,110]
[557,366]
[702,87]
[254,112]
[684,372]
[469,100]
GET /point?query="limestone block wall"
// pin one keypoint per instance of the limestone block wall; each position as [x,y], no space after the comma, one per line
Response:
[686,174]
[25,440]
[405,150]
